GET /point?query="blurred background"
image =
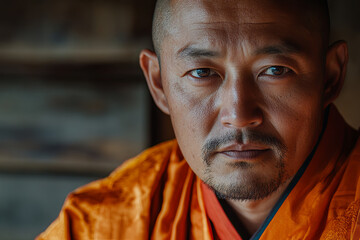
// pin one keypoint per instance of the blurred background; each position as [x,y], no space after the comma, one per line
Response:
[74,104]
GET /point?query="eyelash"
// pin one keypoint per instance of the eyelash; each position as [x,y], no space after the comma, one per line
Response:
[284,71]
[212,73]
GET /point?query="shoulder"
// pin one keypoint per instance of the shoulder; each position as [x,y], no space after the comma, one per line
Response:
[96,209]
[143,170]
[141,167]
[344,221]
[349,187]
[351,176]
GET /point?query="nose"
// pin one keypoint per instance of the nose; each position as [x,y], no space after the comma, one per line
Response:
[239,104]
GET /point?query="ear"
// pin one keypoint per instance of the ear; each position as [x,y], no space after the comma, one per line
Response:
[150,66]
[335,70]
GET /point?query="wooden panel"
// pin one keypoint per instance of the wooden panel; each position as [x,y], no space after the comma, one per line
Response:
[70,127]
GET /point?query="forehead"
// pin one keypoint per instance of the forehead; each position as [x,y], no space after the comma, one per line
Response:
[232,23]
[236,10]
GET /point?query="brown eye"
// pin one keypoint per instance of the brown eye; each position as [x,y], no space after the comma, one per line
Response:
[202,73]
[276,71]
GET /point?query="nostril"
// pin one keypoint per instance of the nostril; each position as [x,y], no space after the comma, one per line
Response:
[240,121]
[254,123]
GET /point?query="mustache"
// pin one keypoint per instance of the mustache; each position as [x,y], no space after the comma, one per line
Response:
[248,136]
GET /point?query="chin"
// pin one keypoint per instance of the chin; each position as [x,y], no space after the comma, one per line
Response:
[244,187]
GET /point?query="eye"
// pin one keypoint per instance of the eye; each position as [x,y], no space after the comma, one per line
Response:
[276,71]
[202,73]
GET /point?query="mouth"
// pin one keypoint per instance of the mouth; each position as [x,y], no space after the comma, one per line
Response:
[243,155]
[243,151]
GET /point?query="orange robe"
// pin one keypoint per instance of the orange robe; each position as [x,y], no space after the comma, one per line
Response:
[157,196]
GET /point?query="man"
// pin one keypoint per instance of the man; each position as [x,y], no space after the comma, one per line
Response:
[260,152]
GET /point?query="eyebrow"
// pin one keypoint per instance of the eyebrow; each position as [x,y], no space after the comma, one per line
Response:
[192,52]
[282,48]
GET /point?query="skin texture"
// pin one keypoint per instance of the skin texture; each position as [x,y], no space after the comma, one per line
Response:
[313,12]
[246,84]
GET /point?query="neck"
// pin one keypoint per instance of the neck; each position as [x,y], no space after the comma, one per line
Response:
[252,213]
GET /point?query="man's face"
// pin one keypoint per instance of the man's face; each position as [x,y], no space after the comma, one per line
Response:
[243,81]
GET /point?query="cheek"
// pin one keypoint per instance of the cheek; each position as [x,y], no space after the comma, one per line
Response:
[295,102]
[296,113]
[190,108]
[192,116]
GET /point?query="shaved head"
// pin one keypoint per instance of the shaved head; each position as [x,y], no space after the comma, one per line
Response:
[161,19]
[315,14]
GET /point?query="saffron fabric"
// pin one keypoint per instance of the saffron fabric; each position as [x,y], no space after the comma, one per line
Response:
[157,196]
[223,228]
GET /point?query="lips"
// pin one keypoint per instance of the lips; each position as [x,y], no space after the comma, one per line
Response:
[243,151]
[248,154]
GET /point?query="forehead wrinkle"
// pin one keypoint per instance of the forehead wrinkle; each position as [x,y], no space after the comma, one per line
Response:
[203,42]
[238,31]
[232,37]
[223,23]
[194,52]
[239,12]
